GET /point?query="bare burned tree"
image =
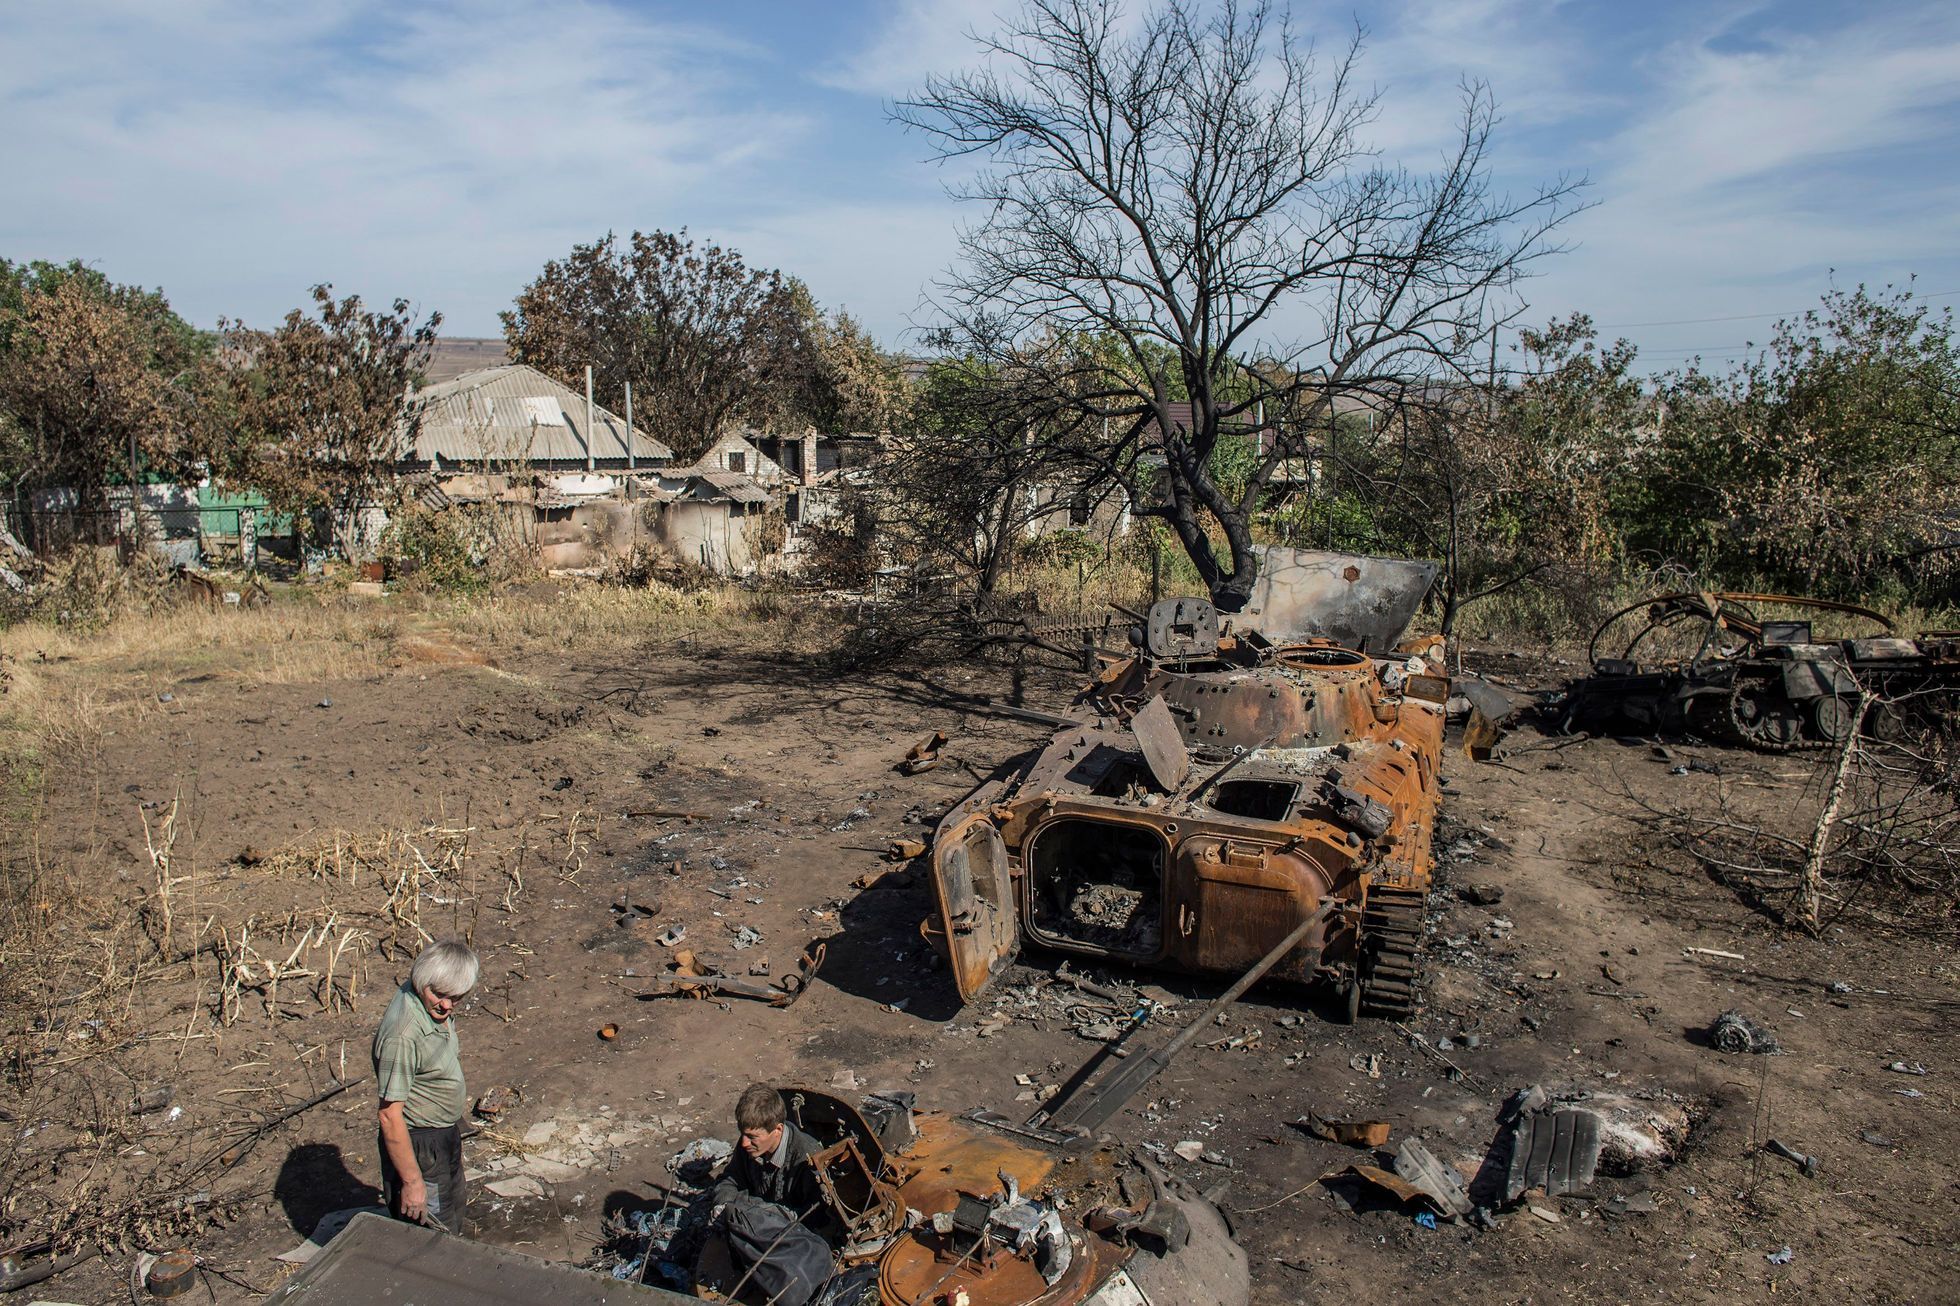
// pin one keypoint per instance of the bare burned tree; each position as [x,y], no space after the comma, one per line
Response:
[1195,193]
[1879,836]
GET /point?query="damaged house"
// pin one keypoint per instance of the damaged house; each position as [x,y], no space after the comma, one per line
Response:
[572,470]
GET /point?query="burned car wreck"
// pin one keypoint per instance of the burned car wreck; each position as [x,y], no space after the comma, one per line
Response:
[1714,665]
[1221,791]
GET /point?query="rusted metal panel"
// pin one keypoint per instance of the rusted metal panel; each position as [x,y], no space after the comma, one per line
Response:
[1156,733]
[976,923]
[1357,601]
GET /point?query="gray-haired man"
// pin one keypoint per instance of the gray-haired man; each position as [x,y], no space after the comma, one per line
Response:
[420,1080]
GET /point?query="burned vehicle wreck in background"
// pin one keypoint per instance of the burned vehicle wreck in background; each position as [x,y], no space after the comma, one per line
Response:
[1222,790]
[1708,664]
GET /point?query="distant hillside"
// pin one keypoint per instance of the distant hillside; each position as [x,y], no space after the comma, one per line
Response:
[455,355]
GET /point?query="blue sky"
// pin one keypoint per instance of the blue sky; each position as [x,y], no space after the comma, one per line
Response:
[234,152]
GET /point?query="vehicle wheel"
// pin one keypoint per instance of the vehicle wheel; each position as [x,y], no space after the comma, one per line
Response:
[1761,716]
[1833,717]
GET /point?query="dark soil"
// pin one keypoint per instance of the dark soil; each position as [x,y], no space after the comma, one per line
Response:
[1579,976]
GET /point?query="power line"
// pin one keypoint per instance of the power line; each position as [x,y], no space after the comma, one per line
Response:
[1744,317]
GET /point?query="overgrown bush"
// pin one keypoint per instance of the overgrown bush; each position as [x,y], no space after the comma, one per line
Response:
[446,550]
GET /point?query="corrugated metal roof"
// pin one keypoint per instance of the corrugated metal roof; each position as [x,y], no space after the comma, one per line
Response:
[733,485]
[516,413]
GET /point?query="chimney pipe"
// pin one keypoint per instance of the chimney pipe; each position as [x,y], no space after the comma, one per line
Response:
[588,417]
[631,464]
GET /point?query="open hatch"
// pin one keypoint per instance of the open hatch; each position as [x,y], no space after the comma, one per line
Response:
[970,878]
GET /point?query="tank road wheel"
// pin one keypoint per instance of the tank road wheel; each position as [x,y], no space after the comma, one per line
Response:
[1391,947]
[1761,716]
[1833,717]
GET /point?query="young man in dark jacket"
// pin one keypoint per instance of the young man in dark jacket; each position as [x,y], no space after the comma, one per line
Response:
[772,1159]
[769,1185]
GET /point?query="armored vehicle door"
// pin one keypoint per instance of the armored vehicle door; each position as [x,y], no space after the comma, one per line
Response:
[975,892]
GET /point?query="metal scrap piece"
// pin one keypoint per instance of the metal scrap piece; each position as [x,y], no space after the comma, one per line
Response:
[1162,745]
[1419,1166]
[1735,1032]
[1557,1151]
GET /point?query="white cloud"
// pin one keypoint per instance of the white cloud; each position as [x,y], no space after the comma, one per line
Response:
[919,38]
[1752,167]
[235,152]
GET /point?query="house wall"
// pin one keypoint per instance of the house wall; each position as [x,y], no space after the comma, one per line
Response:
[710,533]
[586,534]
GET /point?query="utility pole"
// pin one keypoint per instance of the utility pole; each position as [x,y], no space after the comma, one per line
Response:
[588,417]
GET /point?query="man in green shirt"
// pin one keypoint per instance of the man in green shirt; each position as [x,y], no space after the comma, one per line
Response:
[420,1080]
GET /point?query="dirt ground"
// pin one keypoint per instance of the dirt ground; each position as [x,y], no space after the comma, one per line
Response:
[506,790]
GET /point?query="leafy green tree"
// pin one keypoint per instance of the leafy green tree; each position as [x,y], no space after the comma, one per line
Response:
[701,337]
[1826,462]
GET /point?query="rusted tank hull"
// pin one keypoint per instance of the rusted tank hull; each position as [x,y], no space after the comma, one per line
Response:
[1313,778]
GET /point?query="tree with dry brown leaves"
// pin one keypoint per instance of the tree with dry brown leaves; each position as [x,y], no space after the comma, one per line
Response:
[701,337]
[325,401]
[95,379]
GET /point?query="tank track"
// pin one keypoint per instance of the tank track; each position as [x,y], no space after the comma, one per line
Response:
[1741,723]
[1391,951]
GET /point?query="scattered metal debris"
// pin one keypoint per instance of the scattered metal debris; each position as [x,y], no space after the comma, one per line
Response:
[1553,1149]
[496,1100]
[1353,1133]
[1735,1032]
[1438,1182]
[1807,1164]
[924,755]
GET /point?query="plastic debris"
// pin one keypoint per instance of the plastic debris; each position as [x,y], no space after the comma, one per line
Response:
[1783,1257]
[1189,1149]
[1904,1068]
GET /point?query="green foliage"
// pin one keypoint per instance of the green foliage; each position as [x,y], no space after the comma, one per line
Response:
[1828,462]
[1070,546]
[322,410]
[437,551]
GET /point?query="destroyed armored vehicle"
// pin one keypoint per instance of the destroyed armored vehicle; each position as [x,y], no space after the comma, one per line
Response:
[1222,789]
[944,1210]
[1709,664]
